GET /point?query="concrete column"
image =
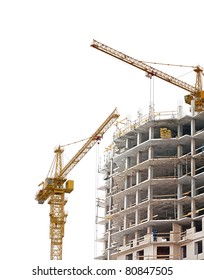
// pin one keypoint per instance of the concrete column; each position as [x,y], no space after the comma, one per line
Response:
[150,172]
[138,177]
[137,198]
[125,221]
[124,240]
[125,183]
[127,143]
[134,179]
[175,237]
[136,232]
[128,182]
[193,147]
[149,233]
[149,212]
[193,187]
[179,211]
[109,208]
[179,174]
[179,111]
[125,202]
[127,163]
[138,157]
[192,107]
[139,138]
[179,130]
[137,217]
[193,166]
[150,192]
[150,153]
[149,230]
[193,206]
[193,209]
[176,231]
[179,190]
[192,127]
[179,150]
[179,166]
[151,132]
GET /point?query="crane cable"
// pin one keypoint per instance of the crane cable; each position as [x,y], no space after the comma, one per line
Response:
[170,64]
[53,162]
[74,142]
[167,64]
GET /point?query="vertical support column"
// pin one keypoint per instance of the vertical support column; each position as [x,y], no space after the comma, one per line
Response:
[150,193]
[175,236]
[125,202]
[124,240]
[150,172]
[138,180]
[179,130]
[151,132]
[193,207]
[127,143]
[138,177]
[110,206]
[150,153]
[193,166]
[149,233]
[149,207]
[180,173]
[138,157]
[137,200]
[150,177]
[139,138]
[192,107]
[136,235]
[127,162]
[125,221]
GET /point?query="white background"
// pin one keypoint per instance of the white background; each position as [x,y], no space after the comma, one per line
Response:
[56,89]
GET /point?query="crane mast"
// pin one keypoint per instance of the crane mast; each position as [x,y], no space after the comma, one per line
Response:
[196,92]
[56,186]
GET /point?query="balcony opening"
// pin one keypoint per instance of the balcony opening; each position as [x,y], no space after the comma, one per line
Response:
[163,252]
[129,257]
[198,247]
[183,252]
[140,255]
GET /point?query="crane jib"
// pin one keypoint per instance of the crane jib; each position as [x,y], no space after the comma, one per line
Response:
[143,66]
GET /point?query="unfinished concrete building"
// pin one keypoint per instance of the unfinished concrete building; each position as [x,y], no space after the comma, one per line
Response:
[153,191]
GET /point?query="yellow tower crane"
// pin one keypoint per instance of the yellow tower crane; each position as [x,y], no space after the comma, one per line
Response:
[56,185]
[196,92]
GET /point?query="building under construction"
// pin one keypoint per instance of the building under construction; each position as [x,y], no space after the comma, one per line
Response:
[154,179]
[153,192]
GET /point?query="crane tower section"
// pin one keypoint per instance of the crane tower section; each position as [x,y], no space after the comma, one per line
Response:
[56,186]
